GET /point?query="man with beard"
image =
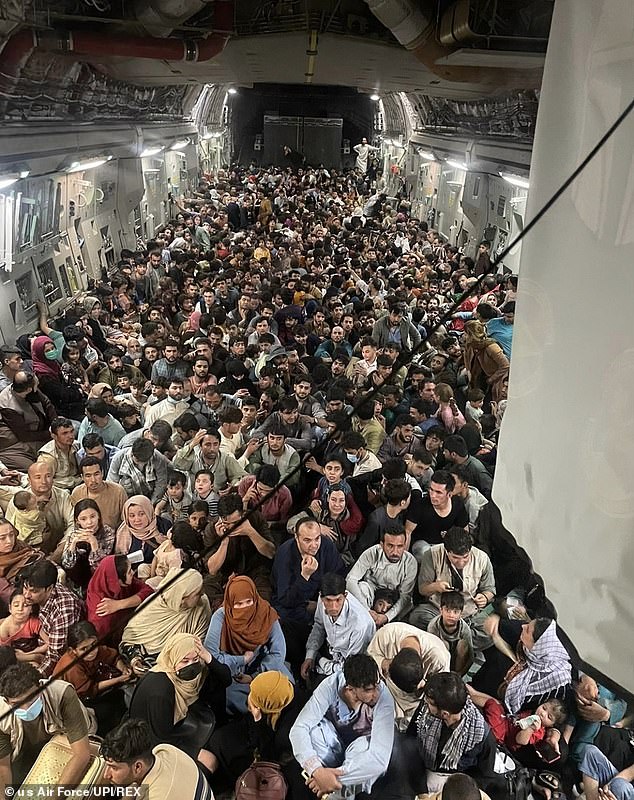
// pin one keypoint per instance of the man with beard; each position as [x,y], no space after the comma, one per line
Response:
[171,365]
[387,565]
[115,368]
[170,408]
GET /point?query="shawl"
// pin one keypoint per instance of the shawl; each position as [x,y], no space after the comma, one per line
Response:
[186,692]
[90,302]
[125,533]
[42,366]
[162,615]
[245,628]
[98,389]
[105,584]
[271,692]
[547,668]
[21,555]
[470,731]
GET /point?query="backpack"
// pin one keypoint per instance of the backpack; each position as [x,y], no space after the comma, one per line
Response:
[519,783]
[263,780]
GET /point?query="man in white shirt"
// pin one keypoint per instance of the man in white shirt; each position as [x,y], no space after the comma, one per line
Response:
[170,408]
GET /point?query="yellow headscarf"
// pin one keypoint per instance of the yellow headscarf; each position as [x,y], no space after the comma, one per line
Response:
[186,692]
[158,618]
[271,692]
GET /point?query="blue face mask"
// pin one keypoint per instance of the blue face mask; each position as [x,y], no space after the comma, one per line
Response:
[352,458]
[30,713]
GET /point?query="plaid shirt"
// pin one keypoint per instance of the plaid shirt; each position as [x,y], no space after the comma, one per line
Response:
[59,612]
[163,369]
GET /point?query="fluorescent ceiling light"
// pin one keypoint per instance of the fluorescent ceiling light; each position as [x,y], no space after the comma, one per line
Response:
[427,156]
[151,151]
[8,181]
[91,163]
[181,144]
[515,180]
[375,97]
[455,184]
[25,173]
[457,164]
[232,91]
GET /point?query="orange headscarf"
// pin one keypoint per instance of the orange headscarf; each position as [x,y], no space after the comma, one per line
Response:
[245,628]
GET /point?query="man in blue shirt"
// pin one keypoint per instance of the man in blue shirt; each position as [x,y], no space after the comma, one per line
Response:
[500,329]
[342,738]
[298,568]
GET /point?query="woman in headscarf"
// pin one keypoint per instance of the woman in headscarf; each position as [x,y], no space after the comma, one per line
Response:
[179,607]
[485,361]
[140,529]
[112,593]
[68,399]
[93,308]
[274,704]
[14,556]
[175,696]
[245,634]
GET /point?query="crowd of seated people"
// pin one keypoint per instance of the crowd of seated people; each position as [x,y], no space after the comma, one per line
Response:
[246,509]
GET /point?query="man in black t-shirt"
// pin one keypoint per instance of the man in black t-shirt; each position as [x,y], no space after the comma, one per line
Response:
[429,518]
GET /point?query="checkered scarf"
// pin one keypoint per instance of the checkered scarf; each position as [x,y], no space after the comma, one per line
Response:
[470,731]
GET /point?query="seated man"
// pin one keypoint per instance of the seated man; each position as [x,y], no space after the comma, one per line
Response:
[387,565]
[110,497]
[237,547]
[429,518]
[164,773]
[94,446]
[99,420]
[140,469]
[54,502]
[298,569]
[296,428]
[29,719]
[457,787]
[61,453]
[390,516]
[426,655]
[456,564]
[275,451]
[258,491]
[59,609]
[341,623]
[343,736]
[452,734]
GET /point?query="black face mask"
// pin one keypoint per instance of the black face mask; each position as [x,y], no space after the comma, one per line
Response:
[189,672]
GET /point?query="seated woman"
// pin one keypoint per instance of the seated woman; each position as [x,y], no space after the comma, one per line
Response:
[273,706]
[21,630]
[140,530]
[112,593]
[245,634]
[68,399]
[180,608]
[14,556]
[97,672]
[184,686]
[88,545]
[340,518]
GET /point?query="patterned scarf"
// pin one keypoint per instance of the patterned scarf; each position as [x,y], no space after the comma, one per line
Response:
[547,668]
[470,731]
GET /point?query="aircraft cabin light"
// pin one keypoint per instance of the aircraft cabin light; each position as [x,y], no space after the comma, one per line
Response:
[457,164]
[89,163]
[153,150]
[375,97]
[515,180]
[8,181]
[232,91]
[427,156]
[181,144]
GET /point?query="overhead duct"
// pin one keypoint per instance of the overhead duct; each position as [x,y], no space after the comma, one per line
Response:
[97,46]
[161,17]
[415,30]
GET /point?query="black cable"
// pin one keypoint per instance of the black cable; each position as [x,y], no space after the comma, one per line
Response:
[400,361]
